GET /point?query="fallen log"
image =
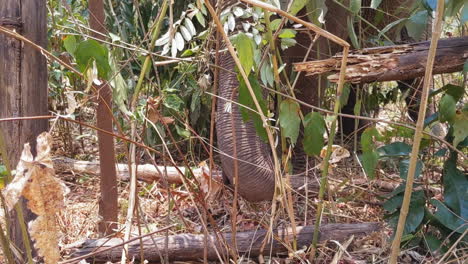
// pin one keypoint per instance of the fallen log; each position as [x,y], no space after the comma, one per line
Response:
[190,247]
[145,172]
[149,173]
[392,63]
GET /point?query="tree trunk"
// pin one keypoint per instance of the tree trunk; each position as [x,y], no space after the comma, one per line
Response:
[23,83]
[188,247]
[108,207]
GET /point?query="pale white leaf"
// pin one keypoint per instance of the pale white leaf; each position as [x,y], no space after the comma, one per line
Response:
[163,40]
[114,37]
[246,26]
[321,18]
[71,102]
[174,48]
[276,3]
[231,22]
[179,40]
[166,49]
[189,25]
[185,33]
[257,39]
[238,11]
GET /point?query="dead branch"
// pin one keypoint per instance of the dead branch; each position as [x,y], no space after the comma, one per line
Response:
[149,173]
[392,63]
[145,172]
[186,247]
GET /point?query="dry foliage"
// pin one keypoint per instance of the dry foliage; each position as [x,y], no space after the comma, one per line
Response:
[35,180]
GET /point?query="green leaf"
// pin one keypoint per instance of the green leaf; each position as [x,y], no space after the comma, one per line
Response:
[296,6]
[455,91]
[415,212]
[440,153]
[345,95]
[316,11]
[289,119]
[369,162]
[70,44]
[392,204]
[352,33]
[431,119]
[200,19]
[447,108]
[367,139]
[246,99]
[187,53]
[355,6]
[390,26]
[465,66]
[314,127]
[357,107]
[404,166]
[369,157]
[287,43]
[395,149]
[464,14]
[455,189]
[266,74]
[119,88]
[447,217]
[182,132]
[453,6]
[287,33]
[174,102]
[195,106]
[432,4]
[460,126]
[89,51]
[416,24]
[375,4]
[245,48]
[274,25]
[434,244]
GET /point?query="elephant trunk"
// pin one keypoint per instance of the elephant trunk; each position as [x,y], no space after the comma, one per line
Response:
[256,177]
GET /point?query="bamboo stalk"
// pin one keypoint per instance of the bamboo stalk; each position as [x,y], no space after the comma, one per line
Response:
[417,134]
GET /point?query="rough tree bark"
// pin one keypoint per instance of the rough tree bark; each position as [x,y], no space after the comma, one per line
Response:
[392,63]
[23,82]
[108,207]
[189,247]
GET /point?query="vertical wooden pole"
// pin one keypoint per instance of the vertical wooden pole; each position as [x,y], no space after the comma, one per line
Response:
[108,207]
[23,83]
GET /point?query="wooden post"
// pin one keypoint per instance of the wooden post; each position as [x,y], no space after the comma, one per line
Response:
[23,82]
[108,207]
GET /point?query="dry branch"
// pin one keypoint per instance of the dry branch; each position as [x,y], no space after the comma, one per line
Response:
[149,173]
[146,172]
[392,63]
[186,247]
